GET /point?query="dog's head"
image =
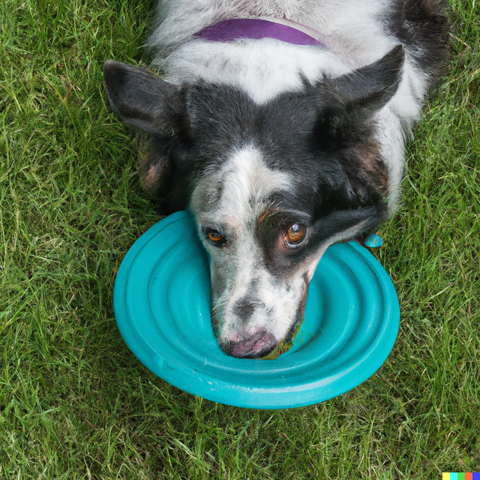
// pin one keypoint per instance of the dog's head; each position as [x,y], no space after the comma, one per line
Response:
[271,186]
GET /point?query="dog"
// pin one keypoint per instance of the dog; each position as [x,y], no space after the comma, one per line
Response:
[281,125]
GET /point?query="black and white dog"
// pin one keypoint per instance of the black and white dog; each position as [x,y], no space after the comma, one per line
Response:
[281,124]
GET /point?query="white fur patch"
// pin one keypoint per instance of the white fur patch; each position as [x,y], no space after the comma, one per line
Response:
[246,182]
[262,68]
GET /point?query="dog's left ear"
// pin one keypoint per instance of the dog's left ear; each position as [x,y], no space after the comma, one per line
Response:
[143,100]
[360,93]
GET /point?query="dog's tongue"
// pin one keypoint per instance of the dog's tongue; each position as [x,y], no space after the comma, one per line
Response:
[258,345]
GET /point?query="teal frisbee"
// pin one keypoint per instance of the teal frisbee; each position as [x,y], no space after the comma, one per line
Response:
[162,308]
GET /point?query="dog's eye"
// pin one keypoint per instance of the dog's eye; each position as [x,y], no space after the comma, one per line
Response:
[295,234]
[215,237]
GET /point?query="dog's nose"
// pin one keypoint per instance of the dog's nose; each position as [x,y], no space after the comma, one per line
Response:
[256,346]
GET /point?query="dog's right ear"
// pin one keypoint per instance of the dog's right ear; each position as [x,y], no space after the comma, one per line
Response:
[143,100]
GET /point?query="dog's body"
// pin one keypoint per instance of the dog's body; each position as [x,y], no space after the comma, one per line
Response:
[279,149]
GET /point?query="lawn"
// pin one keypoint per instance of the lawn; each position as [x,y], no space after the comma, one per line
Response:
[74,401]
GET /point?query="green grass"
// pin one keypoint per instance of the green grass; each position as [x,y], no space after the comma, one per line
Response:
[76,404]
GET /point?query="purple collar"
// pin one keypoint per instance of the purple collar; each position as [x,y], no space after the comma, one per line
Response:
[255,28]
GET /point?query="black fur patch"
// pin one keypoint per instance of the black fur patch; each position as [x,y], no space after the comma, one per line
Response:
[422,26]
[322,135]
[141,99]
